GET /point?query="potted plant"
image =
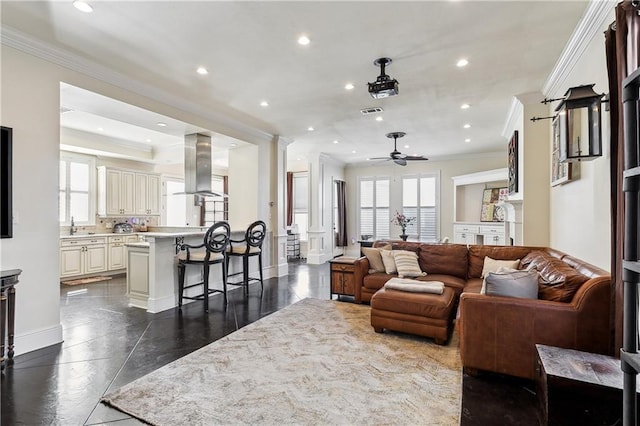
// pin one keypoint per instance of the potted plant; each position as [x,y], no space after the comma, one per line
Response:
[402,221]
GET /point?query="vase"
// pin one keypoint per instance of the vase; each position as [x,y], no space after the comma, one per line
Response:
[404,235]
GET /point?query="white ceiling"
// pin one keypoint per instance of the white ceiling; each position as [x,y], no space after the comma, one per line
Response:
[251,53]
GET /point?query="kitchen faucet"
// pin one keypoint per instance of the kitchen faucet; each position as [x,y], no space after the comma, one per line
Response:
[72,229]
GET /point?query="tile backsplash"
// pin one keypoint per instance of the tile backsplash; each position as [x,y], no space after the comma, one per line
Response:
[104,225]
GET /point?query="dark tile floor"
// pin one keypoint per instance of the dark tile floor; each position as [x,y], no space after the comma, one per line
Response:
[107,344]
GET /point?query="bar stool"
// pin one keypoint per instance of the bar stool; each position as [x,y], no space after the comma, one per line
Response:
[216,242]
[250,246]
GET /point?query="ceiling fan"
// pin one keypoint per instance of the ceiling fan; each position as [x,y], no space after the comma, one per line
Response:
[395,155]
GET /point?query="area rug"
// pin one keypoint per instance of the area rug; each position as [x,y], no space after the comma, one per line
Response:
[314,362]
[88,280]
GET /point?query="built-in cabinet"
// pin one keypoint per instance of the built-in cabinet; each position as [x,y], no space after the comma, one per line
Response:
[495,234]
[124,192]
[468,194]
[83,256]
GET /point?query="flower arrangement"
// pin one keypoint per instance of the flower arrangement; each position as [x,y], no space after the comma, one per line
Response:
[402,220]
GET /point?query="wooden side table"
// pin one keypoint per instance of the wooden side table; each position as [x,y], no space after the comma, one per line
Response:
[8,281]
[342,276]
[583,387]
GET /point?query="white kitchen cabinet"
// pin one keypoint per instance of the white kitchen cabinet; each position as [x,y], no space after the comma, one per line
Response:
[71,261]
[118,251]
[81,256]
[116,192]
[147,194]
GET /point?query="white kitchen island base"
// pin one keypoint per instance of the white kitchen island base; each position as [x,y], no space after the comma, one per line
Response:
[152,272]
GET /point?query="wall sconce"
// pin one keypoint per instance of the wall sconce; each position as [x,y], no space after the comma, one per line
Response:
[577,124]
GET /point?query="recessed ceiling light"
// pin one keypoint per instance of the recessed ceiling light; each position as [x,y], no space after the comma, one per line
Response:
[303,40]
[264,104]
[100,129]
[465,106]
[349,86]
[202,71]
[335,141]
[462,63]
[353,152]
[233,144]
[310,128]
[161,124]
[298,159]
[379,118]
[406,146]
[467,140]
[148,140]
[83,6]
[466,126]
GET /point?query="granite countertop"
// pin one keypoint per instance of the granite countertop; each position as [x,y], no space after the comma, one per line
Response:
[174,234]
[110,234]
[138,244]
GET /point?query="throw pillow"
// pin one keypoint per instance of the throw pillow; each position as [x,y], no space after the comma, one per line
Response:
[502,271]
[492,265]
[515,284]
[388,261]
[375,258]
[407,264]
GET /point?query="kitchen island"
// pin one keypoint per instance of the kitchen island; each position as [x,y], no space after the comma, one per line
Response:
[152,273]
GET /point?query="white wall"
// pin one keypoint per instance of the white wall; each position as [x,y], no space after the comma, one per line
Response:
[447,170]
[30,104]
[244,185]
[580,217]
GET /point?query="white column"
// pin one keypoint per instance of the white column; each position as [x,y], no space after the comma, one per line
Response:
[317,244]
[278,207]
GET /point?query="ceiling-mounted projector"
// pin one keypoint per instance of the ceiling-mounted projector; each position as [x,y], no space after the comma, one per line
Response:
[384,86]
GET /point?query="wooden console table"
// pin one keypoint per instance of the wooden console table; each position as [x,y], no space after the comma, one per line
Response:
[9,279]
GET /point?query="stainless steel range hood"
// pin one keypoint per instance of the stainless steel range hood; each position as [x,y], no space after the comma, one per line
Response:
[197,166]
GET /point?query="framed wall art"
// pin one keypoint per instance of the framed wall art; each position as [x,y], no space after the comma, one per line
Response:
[491,209]
[560,172]
[513,163]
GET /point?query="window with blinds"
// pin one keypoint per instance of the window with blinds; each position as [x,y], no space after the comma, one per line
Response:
[301,203]
[75,189]
[374,208]
[215,209]
[419,200]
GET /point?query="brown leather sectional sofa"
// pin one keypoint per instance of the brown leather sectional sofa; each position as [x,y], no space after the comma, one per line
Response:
[499,333]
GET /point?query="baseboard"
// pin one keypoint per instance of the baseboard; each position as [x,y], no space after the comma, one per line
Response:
[275,271]
[161,304]
[29,342]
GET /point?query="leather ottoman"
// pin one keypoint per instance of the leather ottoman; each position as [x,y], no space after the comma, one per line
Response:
[424,314]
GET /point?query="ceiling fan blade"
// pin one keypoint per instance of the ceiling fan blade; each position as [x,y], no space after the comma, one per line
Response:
[415,157]
[379,158]
[400,161]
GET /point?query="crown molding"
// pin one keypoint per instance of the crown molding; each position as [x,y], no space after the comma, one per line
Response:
[515,112]
[589,25]
[25,43]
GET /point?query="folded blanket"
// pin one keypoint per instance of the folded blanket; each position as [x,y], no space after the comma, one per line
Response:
[415,286]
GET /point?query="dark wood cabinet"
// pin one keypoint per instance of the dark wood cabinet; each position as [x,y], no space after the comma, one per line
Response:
[342,276]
